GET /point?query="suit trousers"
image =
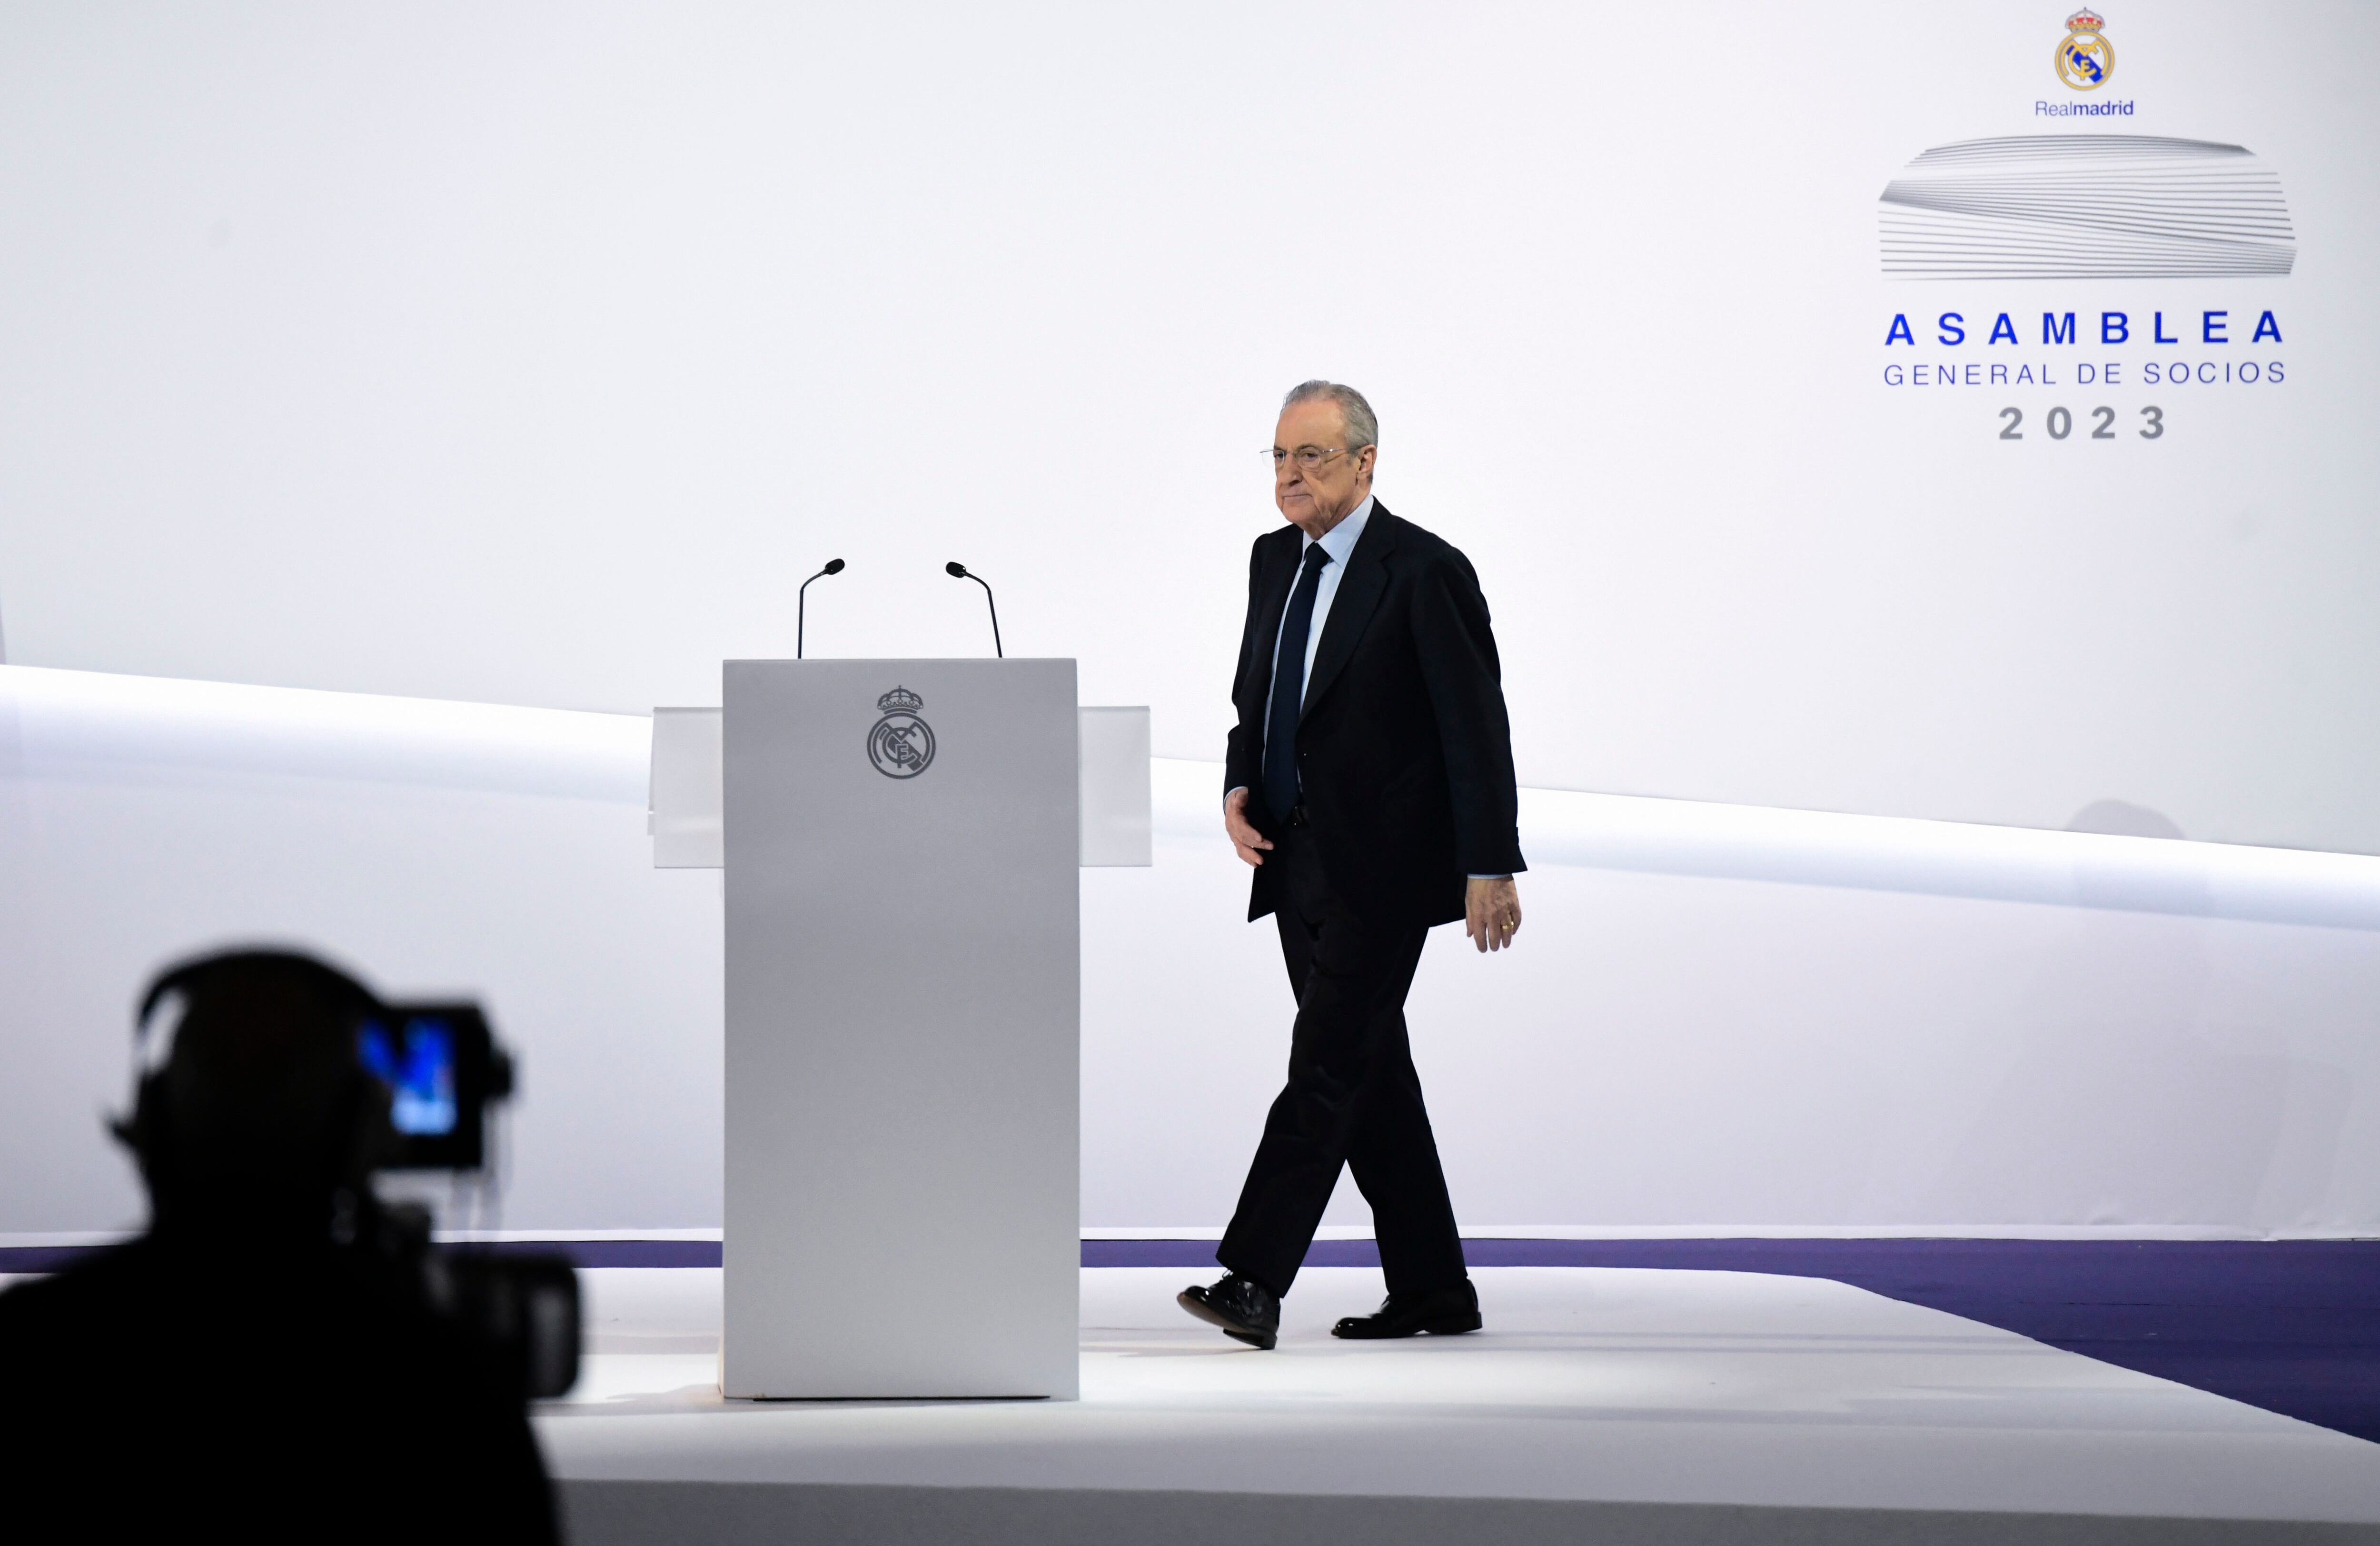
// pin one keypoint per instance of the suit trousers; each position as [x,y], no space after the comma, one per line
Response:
[1353,1098]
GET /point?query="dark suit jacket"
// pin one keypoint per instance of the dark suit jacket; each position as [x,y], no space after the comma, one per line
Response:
[1402,745]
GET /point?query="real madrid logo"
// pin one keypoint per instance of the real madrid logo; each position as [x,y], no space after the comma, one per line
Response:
[2086,59]
[901,745]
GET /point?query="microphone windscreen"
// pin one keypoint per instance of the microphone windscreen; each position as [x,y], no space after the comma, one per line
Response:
[833,566]
[955,569]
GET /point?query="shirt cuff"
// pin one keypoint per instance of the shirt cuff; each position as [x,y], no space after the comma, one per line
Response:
[1491,877]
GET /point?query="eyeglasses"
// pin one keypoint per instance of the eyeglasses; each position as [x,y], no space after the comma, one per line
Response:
[1309,458]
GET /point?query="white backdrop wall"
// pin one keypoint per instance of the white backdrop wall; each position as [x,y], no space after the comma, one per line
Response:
[532,352]
[1716,1021]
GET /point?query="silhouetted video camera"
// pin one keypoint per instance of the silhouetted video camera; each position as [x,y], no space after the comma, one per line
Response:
[445,1074]
[269,1097]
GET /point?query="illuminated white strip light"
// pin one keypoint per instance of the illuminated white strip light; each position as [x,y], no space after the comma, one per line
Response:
[2077,206]
[1894,853]
[86,725]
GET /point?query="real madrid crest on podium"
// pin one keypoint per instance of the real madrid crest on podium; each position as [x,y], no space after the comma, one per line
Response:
[901,745]
[2086,59]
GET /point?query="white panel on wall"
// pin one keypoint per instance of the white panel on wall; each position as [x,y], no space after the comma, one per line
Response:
[1715,1019]
[1669,1053]
[434,849]
[688,806]
[1114,746]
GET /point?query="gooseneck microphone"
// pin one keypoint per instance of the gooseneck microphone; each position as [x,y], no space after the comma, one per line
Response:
[957,571]
[802,602]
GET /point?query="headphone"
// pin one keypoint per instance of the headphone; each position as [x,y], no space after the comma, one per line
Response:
[359,1134]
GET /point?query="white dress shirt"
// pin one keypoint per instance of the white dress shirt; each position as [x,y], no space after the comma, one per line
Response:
[1339,541]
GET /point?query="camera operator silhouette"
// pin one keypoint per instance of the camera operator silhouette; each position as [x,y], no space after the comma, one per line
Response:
[272,1356]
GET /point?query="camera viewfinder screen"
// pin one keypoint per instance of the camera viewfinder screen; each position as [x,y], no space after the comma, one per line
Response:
[418,1065]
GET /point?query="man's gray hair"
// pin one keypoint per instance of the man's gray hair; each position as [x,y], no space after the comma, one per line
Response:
[1363,429]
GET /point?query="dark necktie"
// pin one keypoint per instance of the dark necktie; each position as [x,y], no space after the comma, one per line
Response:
[1289,687]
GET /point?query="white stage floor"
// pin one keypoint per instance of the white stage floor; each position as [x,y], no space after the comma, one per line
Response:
[1610,1405]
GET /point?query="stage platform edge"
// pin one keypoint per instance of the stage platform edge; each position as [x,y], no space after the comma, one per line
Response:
[733,1513]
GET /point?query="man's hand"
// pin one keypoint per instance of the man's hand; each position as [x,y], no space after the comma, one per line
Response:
[1491,913]
[1245,838]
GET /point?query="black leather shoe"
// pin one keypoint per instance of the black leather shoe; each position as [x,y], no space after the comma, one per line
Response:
[1246,1311]
[1439,1311]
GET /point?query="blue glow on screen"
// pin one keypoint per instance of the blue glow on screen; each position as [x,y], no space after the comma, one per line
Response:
[419,1068]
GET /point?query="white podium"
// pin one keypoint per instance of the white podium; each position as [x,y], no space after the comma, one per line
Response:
[902,1011]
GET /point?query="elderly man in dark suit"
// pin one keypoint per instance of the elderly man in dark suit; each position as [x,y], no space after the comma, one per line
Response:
[1369,782]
